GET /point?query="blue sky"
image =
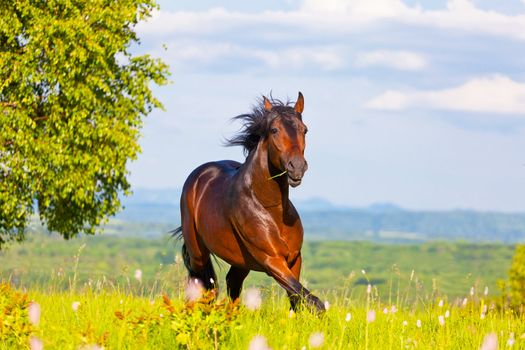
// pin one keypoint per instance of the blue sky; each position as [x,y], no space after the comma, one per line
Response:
[418,103]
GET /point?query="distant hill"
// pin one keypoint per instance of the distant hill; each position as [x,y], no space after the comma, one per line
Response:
[383,222]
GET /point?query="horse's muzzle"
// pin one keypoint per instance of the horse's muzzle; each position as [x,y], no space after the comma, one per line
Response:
[295,169]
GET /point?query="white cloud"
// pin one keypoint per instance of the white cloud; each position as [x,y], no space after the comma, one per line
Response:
[213,20]
[364,10]
[491,94]
[458,15]
[390,100]
[402,60]
[341,16]
[326,58]
[294,58]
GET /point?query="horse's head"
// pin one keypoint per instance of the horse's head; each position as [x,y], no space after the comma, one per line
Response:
[286,139]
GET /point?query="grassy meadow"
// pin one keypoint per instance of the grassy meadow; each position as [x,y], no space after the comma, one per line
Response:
[129,293]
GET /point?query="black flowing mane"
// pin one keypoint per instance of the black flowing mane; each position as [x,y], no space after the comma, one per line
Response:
[256,125]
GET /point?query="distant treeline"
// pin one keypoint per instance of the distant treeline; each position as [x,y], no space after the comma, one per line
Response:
[380,223]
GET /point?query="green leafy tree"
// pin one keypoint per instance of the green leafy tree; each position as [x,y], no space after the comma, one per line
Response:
[72,100]
[517,276]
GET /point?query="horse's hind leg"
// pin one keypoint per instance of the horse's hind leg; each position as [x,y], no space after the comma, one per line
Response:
[234,280]
[196,256]
[197,270]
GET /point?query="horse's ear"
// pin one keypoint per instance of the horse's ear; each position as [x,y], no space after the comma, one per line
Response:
[267,104]
[299,105]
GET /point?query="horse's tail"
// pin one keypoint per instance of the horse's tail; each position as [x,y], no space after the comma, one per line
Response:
[177,233]
[207,275]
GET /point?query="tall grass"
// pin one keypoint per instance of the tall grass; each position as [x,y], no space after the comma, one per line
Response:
[134,314]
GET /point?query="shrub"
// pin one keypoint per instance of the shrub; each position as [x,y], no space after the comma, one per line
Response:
[195,325]
[15,328]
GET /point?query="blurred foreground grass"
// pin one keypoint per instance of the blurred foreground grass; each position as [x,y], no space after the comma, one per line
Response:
[118,293]
[118,319]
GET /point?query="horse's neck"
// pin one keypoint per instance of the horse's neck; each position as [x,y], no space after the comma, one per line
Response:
[269,192]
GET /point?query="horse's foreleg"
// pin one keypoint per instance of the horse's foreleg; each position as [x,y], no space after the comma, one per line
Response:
[234,280]
[279,270]
[296,271]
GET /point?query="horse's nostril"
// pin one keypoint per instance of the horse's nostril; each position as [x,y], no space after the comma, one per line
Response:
[290,164]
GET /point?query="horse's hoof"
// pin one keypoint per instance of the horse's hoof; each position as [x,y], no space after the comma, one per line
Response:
[316,304]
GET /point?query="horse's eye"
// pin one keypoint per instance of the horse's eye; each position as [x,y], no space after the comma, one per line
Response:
[274,130]
[305,131]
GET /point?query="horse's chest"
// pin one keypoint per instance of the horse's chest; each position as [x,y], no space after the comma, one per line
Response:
[293,239]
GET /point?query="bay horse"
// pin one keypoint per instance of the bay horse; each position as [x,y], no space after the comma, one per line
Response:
[242,213]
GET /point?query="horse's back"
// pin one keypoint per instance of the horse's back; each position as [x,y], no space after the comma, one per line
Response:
[222,169]
[208,183]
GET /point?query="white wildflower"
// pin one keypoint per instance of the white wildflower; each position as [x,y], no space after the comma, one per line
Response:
[75,305]
[138,275]
[393,309]
[35,343]
[348,317]
[486,292]
[447,314]
[441,320]
[440,303]
[193,290]
[91,347]
[33,312]
[490,342]
[369,289]
[252,299]
[370,316]
[258,343]
[326,305]
[316,339]
[418,323]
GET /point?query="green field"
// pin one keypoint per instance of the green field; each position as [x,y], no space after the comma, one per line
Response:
[441,268]
[118,311]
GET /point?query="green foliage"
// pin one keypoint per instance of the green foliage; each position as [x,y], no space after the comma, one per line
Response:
[15,328]
[194,325]
[517,276]
[72,100]
[203,322]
